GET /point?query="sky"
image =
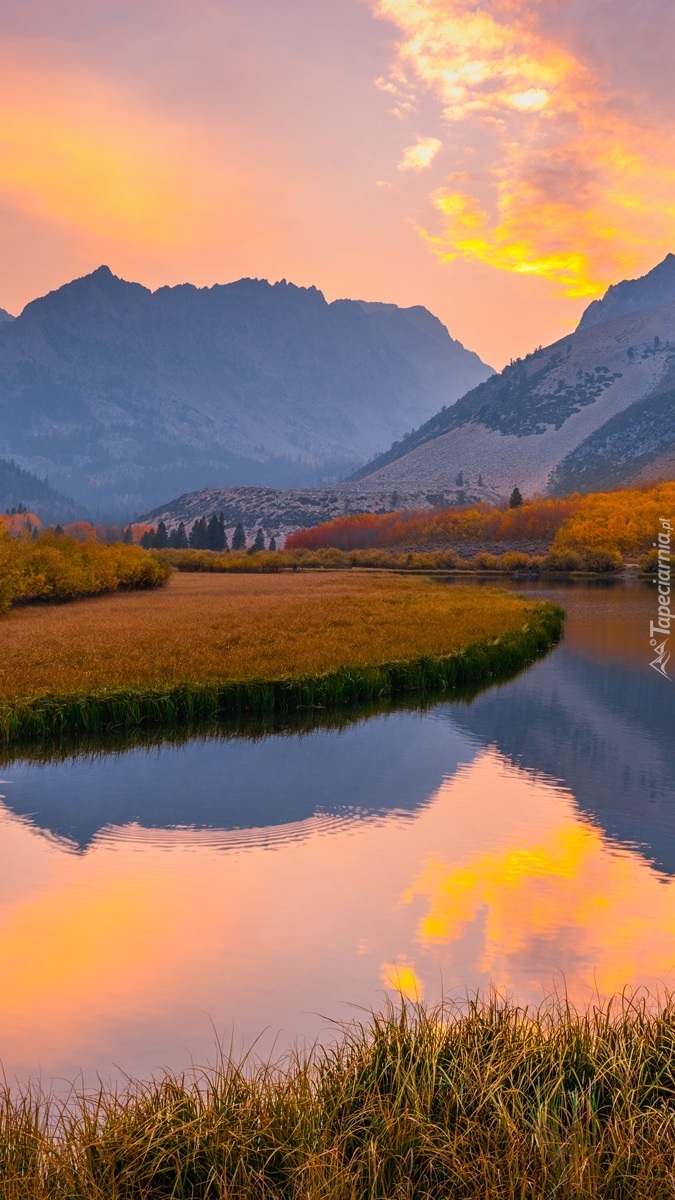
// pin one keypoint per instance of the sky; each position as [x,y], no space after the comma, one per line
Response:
[500,162]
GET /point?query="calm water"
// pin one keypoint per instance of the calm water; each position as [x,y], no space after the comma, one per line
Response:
[155,900]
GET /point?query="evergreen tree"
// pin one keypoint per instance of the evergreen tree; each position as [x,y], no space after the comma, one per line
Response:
[460,479]
[148,539]
[173,540]
[216,534]
[273,542]
[222,535]
[161,538]
[239,538]
[515,499]
[58,529]
[259,543]
[199,536]
[128,536]
[181,537]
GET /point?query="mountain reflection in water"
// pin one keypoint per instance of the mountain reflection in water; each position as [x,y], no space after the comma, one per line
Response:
[524,840]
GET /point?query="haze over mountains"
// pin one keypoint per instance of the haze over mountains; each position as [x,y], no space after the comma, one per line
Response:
[594,410]
[18,487]
[124,397]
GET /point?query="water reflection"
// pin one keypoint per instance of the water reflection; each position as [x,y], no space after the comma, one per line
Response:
[149,897]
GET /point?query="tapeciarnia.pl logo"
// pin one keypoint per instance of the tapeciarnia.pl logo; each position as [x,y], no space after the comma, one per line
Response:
[657,641]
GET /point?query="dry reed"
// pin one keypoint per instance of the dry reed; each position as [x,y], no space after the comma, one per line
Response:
[486,1102]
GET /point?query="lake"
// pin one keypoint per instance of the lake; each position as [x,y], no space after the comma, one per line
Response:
[156,902]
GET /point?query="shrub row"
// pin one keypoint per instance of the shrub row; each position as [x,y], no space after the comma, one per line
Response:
[56,568]
[597,559]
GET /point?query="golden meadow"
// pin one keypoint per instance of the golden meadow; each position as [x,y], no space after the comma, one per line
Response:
[210,645]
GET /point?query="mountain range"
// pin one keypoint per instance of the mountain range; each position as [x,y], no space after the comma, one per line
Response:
[123,396]
[594,410]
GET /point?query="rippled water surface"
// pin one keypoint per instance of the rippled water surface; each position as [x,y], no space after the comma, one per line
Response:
[154,900]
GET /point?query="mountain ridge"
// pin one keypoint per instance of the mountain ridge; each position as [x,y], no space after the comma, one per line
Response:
[595,409]
[123,395]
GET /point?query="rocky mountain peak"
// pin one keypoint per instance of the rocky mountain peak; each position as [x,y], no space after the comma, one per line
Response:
[655,288]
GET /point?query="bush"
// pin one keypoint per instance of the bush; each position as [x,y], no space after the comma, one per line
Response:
[562,560]
[649,562]
[515,560]
[487,562]
[56,568]
[603,558]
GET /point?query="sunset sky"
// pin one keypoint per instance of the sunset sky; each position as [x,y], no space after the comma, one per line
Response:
[499,162]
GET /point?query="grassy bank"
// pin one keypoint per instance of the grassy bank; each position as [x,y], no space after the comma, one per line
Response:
[213,646]
[490,1102]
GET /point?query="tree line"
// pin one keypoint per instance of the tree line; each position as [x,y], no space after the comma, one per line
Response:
[203,535]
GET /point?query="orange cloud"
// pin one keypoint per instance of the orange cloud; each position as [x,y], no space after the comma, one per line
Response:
[573,187]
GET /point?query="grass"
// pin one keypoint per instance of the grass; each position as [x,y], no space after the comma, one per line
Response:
[214,645]
[486,1102]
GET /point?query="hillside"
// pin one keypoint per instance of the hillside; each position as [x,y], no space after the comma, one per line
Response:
[594,410]
[5,316]
[123,396]
[18,487]
[281,512]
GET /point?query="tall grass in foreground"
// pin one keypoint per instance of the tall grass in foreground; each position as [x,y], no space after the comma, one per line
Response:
[487,1102]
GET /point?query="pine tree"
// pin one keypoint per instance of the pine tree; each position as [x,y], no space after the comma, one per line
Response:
[148,539]
[199,537]
[515,499]
[239,538]
[58,529]
[161,538]
[128,536]
[181,537]
[216,534]
[259,543]
[273,542]
[221,532]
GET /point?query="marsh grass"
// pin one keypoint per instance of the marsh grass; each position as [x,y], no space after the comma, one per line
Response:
[209,647]
[486,1101]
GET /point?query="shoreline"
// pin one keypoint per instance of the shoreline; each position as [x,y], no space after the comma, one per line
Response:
[124,710]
